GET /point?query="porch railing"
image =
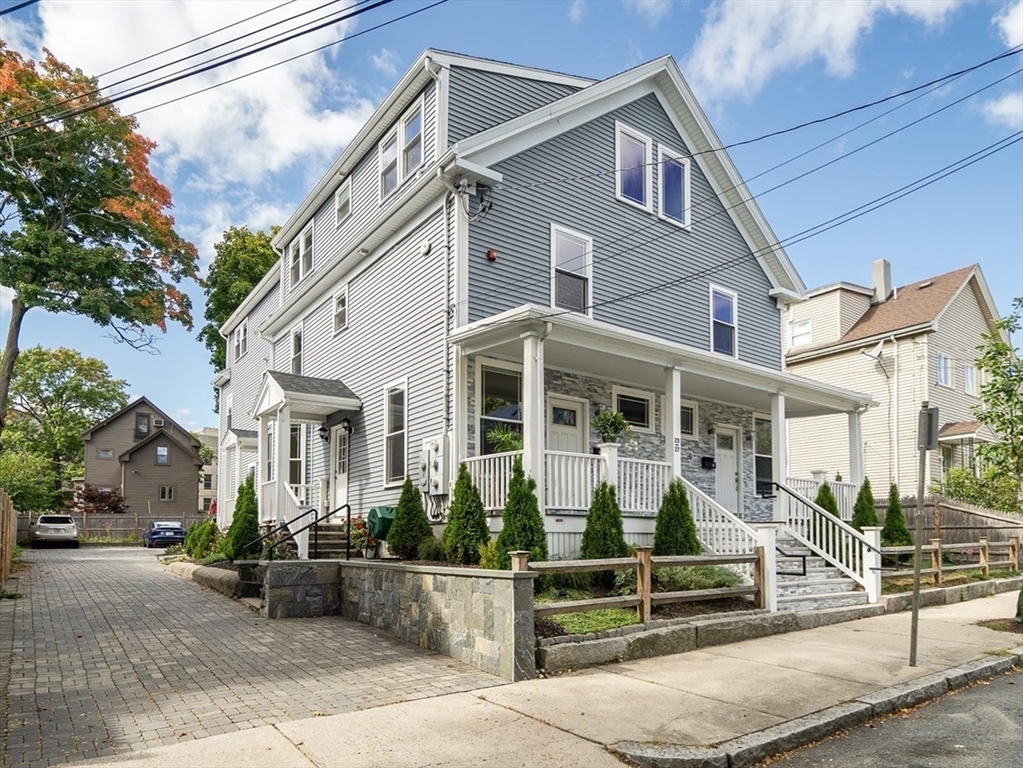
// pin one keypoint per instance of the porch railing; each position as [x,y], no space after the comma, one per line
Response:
[268,502]
[845,493]
[720,532]
[571,478]
[641,484]
[490,474]
[293,508]
[307,494]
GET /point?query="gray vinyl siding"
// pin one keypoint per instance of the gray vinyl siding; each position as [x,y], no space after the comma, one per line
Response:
[633,249]
[395,331]
[479,100]
[247,371]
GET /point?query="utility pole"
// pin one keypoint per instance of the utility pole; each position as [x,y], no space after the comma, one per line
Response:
[926,440]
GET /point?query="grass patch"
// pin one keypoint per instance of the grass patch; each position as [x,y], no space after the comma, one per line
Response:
[954,579]
[595,621]
[7,595]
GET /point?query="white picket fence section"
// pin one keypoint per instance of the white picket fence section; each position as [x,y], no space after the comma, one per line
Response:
[641,484]
[490,474]
[845,493]
[720,532]
[571,478]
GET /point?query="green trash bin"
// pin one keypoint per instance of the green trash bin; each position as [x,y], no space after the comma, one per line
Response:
[379,521]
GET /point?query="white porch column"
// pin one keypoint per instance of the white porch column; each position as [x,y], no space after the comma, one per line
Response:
[856,448]
[460,412]
[282,433]
[779,453]
[533,416]
[261,472]
[872,562]
[767,575]
[673,420]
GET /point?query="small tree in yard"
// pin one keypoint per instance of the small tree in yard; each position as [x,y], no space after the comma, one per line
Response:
[467,522]
[864,512]
[675,530]
[245,523]
[521,525]
[826,500]
[603,536]
[895,533]
[410,525]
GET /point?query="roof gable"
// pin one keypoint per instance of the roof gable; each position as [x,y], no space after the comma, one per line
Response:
[161,432]
[143,400]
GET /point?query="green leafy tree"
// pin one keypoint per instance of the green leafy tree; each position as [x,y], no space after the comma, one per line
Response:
[604,535]
[993,489]
[467,528]
[521,525]
[826,500]
[84,225]
[244,527]
[56,394]
[864,512]
[895,533]
[28,479]
[675,529]
[410,525]
[1001,402]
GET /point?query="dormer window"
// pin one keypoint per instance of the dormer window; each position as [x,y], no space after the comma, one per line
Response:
[301,255]
[801,333]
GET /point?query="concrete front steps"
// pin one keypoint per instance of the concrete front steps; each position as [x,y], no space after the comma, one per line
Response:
[823,586]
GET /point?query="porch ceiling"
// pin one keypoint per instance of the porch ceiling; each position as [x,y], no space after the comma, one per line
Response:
[582,345]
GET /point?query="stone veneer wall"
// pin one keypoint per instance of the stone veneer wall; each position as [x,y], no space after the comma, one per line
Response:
[298,588]
[481,617]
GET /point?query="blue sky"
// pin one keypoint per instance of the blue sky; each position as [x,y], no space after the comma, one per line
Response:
[246,153]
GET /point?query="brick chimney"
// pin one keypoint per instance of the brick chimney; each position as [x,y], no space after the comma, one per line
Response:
[881,277]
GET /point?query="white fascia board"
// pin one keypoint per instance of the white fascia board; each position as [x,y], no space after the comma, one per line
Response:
[222,378]
[256,295]
[866,341]
[448,59]
[785,295]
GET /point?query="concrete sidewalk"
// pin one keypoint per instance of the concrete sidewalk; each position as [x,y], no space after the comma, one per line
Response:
[726,706]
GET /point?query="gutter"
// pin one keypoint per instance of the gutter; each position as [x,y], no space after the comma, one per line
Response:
[913,330]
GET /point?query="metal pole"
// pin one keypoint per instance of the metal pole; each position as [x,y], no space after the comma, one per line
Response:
[919,534]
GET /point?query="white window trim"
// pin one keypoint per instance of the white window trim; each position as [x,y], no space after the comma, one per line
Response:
[735,318]
[757,415]
[300,240]
[345,185]
[970,379]
[792,332]
[397,131]
[333,306]
[401,384]
[638,394]
[648,180]
[662,153]
[696,419]
[296,330]
[948,368]
[555,230]
[481,363]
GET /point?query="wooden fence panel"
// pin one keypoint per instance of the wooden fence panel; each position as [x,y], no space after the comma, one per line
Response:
[8,535]
[956,523]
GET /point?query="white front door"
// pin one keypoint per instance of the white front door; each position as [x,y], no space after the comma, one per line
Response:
[566,425]
[726,458]
[339,462]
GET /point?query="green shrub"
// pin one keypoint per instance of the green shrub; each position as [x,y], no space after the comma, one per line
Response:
[576,580]
[521,525]
[490,556]
[895,533]
[625,582]
[687,578]
[245,523]
[864,512]
[215,557]
[410,525]
[826,500]
[603,536]
[433,549]
[467,522]
[201,538]
[675,530]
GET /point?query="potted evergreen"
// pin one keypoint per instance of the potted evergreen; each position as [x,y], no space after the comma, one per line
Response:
[610,425]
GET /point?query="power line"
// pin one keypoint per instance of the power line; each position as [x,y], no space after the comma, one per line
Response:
[18,7]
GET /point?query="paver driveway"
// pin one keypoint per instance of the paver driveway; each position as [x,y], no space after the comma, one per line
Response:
[107,652]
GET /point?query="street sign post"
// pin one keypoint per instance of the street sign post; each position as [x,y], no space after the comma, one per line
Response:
[926,440]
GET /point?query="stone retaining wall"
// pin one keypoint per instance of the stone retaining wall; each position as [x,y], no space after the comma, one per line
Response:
[481,617]
[300,589]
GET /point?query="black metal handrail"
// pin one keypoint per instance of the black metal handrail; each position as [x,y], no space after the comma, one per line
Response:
[320,519]
[287,525]
[824,514]
[783,553]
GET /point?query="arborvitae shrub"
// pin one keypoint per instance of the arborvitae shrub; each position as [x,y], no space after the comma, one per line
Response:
[826,500]
[675,530]
[895,533]
[864,513]
[410,525]
[467,522]
[245,523]
[206,539]
[521,525]
[603,536]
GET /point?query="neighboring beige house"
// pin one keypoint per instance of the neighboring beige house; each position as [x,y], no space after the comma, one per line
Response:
[902,346]
[210,437]
[150,458]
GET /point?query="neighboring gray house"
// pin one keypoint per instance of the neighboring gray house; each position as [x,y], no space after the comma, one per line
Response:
[472,259]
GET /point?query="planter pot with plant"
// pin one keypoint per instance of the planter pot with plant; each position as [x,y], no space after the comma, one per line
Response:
[610,425]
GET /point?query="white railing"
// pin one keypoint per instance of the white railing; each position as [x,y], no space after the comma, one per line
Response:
[292,509]
[268,502]
[720,532]
[490,474]
[571,478]
[564,545]
[845,493]
[308,495]
[641,484]
[832,539]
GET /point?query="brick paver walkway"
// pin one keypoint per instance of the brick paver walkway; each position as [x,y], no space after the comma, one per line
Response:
[107,652]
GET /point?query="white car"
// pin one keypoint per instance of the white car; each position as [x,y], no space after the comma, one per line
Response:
[54,529]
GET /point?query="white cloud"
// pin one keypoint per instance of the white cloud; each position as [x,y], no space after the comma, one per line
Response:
[1010,24]
[652,10]
[742,44]
[1006,110]
[386,61]
[575,11]
[236,133]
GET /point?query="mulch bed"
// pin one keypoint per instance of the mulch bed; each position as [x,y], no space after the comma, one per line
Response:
[548,626]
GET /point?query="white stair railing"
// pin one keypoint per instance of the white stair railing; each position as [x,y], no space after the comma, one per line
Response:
[845,493]
[720,532]
[294,508]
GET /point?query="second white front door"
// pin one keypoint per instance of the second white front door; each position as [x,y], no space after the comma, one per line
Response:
[339,463]
[726,459]
[566,424]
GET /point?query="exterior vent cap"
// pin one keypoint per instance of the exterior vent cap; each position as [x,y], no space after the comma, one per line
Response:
[928,284]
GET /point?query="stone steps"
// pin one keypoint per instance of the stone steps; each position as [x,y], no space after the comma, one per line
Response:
[823,586]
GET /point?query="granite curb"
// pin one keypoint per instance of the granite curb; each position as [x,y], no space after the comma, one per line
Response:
[221,579]
[748,750]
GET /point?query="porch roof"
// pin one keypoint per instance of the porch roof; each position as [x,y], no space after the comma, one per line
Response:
[965,431]
[583,345]
[308,397]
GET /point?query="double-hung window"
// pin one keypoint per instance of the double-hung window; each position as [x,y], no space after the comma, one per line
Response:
[969,379]
[636,406]
[343,202]
[241,340]
[801,333]
[207,482]
[411,141]
[163,455]
[632,162]
[763,455]
[723,321]
[395,453]
[301,255]
[389,164]
[500,405]
[673,192]
[401,150]
[296,350]
[571,265]
[141,426]
[341,310]
[944,370]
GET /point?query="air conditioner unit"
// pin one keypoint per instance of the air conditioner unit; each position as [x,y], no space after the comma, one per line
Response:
[157,422]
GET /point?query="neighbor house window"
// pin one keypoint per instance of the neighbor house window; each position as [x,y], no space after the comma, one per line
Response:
[296,351]
[389,164]
[763,455]
[166,493]
[412,141]
[105,453]
[207,482]
[571,257]
[500,405]
[801,333]
[394,434]
[341,310]
[343,202]
[206,504]
[722,320]
[969,380]
[944,370]
[690,419]
[301,255]
[673,195]
[163,455]
[636,406]
[141,425]
[632,161]
[241,339]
